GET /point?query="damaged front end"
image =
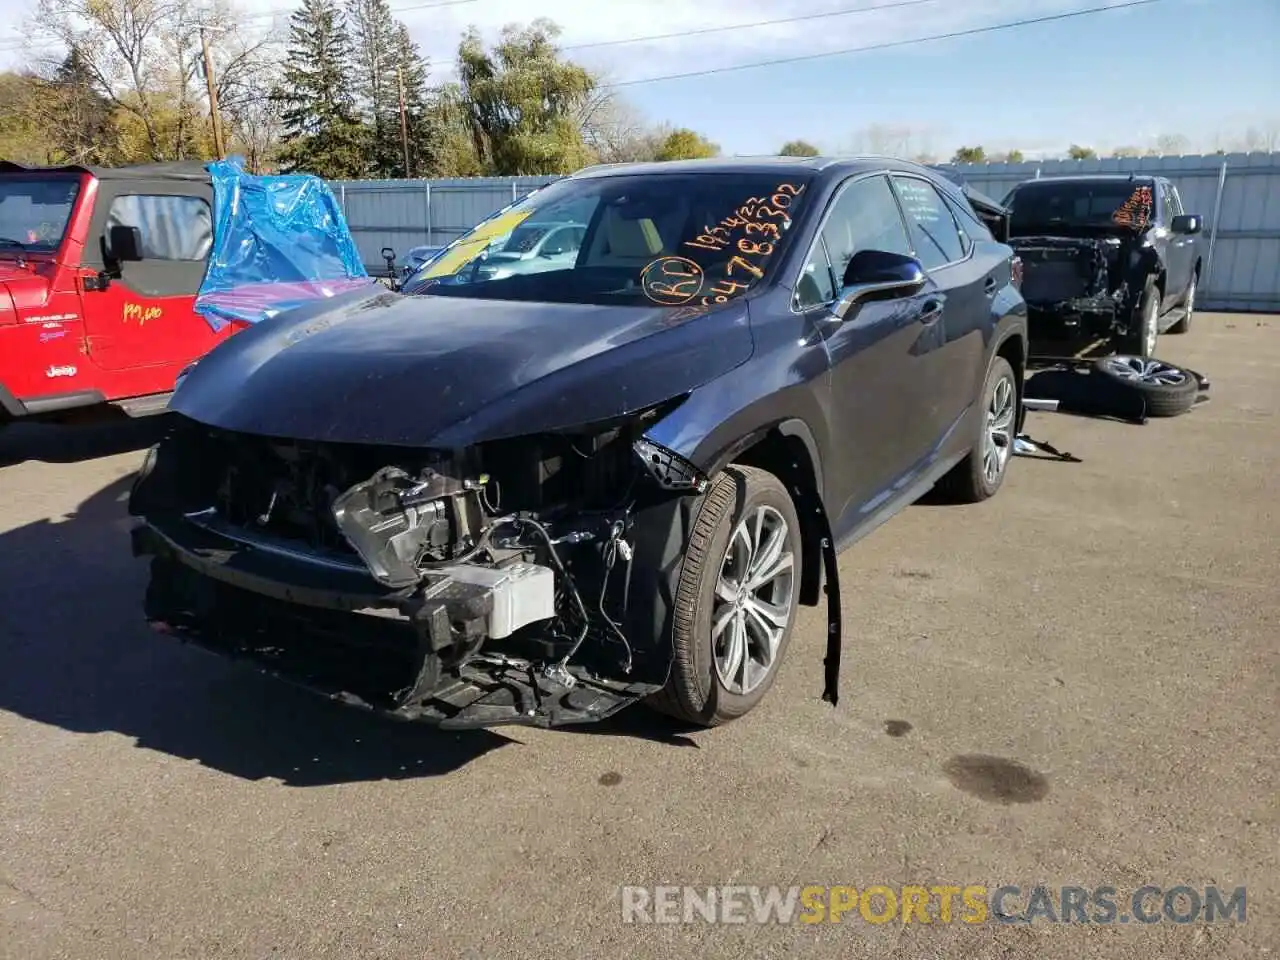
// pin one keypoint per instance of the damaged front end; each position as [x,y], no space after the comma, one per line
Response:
[514,581]
[1082,288]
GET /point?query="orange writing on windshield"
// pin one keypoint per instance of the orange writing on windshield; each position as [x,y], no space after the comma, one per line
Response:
[747,237]
[671,281]
[1136,211]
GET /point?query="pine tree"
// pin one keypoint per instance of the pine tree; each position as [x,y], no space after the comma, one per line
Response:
[422,120]
[77,117]
[322,134]
[375,39]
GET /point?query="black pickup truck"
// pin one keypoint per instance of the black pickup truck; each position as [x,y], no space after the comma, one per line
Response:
[1111,258]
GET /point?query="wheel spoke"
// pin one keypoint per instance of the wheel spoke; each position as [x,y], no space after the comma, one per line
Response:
[726,615]
[770,635]
[781,564]
[726,590]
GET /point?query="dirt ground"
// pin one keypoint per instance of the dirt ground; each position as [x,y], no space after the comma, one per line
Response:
[1111,626]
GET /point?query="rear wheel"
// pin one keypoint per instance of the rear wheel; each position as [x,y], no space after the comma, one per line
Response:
[736,598]
[979,475]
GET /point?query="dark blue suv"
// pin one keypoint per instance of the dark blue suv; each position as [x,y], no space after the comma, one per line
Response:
[538,495]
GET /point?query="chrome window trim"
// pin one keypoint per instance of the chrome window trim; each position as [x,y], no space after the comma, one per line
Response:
[822,225]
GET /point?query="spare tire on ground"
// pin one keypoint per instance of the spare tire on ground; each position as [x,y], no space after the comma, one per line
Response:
[1165,389]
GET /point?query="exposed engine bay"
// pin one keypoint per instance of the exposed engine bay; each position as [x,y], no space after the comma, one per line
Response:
[1083,287]
[468,587]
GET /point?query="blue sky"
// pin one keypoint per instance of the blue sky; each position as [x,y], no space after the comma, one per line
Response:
[1200,68]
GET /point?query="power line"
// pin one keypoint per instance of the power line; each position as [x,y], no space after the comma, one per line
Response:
[889,44]
[748,26]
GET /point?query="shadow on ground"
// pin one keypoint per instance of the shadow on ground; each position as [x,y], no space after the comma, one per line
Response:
[75,653]
[92,435]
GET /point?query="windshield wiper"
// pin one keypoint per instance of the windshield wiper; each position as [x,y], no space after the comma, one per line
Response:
[8,242]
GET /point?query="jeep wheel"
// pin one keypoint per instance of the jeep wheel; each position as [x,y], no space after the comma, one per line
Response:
[735,600]
[979,475]
[1188,308]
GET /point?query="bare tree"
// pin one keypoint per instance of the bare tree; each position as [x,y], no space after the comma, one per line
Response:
[1171,144]
[143,57]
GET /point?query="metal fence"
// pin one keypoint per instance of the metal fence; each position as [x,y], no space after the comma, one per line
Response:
[1237,194]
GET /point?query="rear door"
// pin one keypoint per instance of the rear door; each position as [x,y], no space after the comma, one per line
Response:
[872,351]
[145,318]
[948,355]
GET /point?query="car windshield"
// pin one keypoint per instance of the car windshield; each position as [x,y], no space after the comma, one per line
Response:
[666,239]
[1043,206]
[34,212]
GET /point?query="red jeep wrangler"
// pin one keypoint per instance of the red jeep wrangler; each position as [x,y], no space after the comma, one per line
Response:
[99,271]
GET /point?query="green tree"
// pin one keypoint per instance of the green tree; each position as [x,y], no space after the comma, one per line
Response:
[798,148]
[522,102]
[423,121]
[376,53]
[76,118]
[1077,152]
[969,155]
[22,138]
[1014,156]
[685,144]
[1126,152]
[322,134]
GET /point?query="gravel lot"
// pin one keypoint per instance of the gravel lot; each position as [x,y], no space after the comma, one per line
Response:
[1112,625]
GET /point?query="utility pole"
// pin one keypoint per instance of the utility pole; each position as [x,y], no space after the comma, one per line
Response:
[219,147]
[404,123]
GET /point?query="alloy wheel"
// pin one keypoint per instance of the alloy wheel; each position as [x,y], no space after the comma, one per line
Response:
[997,439]
[753,599]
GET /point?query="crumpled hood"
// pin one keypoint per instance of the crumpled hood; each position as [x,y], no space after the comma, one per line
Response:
[451,371]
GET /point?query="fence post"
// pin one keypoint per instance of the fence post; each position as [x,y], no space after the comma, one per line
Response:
[430,238]
[342,197]
[1213,231]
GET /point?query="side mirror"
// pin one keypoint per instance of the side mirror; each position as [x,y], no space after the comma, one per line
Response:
[124,244]
[1187,223]
[877,273]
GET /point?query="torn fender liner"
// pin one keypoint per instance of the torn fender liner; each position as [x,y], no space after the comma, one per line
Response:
[831,674]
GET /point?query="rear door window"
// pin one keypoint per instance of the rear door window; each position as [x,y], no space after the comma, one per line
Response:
[935,234]
[172,227]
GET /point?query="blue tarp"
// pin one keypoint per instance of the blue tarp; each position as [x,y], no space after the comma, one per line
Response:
[278,242]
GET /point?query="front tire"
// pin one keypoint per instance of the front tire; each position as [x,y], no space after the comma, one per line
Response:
[1142,342]
[736,599]
[980,474]
[1188,307]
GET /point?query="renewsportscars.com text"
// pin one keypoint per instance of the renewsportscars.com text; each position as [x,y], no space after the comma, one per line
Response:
[920,904]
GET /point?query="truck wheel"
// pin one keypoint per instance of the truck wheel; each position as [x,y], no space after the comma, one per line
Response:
[979,475]
[1189,309]
[1165,389]
[736,599]
[1142,342]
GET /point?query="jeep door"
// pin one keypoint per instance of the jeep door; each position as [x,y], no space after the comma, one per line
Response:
[144,319]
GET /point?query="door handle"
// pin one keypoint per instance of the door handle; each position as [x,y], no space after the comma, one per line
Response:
[931,311]
[989,287]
